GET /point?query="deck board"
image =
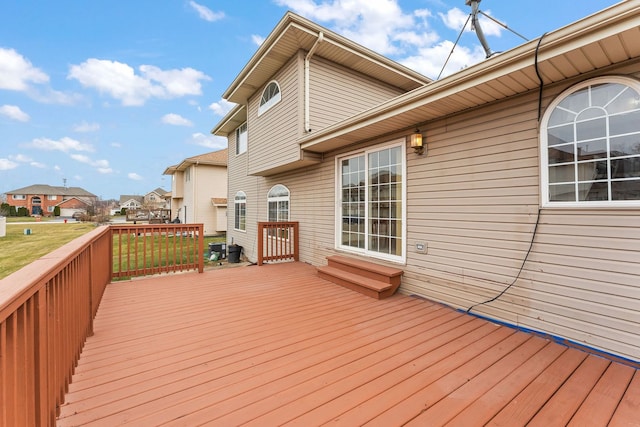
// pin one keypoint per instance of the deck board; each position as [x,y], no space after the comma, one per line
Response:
[276,345]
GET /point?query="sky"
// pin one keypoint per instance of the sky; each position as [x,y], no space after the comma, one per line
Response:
[106,94]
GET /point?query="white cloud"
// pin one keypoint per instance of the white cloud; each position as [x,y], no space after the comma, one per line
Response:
[65,144]
[116,145]
[208,141]
[176,83]
[206,13]
[372,24]
[176,120]
[222,107]
[134,176]
[409,37]
[21,158]
[456,18]
[16,72]
[489,27]
[102,166]
[38,165]
[430,60]
[14,112]
[120,81]
[86,127]
[257,40]
[6,164]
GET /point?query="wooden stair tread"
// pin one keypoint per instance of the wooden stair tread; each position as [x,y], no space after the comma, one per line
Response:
[366,265]
[373,284]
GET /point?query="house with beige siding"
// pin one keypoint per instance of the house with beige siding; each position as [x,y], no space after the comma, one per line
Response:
[199,191]
[522,206]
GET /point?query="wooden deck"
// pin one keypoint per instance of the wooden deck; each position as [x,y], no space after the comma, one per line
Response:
[275,344]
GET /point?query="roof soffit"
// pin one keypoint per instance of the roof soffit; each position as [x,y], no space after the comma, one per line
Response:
[295,33]
[597,41]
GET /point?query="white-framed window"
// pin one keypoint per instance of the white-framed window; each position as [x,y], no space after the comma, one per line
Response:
[50,209]
[371,202]
[278,203]
[19,197]
[270,97]
[241,138]
[52,197]
[240,216]
[590,145]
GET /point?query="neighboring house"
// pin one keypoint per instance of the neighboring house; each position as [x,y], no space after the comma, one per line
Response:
[42,199]
[155,199]
[529,183]
[199,191]
[129,202]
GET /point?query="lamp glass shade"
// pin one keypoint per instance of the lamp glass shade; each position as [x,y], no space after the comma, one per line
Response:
[415,140]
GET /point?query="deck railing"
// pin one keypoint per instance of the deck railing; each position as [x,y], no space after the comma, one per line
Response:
[141,250]
[278,241]
[47,308]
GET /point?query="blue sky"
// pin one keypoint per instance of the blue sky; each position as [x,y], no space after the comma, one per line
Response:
[108,94]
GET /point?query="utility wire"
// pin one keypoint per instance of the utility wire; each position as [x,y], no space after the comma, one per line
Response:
[504,26]
[454,46]
[519,271]
[462,31]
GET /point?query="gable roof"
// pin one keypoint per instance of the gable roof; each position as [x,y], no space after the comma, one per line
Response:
[595,42]
[214,158]
[159,191]
[124,198]
[294,33]
[49,190]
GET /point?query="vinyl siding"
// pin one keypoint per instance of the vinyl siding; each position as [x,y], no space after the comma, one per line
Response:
[337,93]
[206,182]
[273,135]
[474,199]
[239,180]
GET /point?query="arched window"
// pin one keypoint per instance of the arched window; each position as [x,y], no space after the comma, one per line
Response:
[240,217]
[270,97]
[278,203]
[590,142]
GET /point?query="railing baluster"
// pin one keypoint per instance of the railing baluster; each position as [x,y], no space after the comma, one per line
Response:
[277,241]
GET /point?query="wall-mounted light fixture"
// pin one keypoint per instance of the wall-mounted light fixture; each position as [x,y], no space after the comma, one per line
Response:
[416,142]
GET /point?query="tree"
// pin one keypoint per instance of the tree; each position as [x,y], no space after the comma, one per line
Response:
[56,211]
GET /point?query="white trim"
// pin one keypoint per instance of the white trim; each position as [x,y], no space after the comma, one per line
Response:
[238,134]
[544,157]
[266,106]
[237,202]
[278,199]
[401,259]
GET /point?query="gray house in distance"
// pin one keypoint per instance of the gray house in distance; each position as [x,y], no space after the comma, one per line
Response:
[510,189]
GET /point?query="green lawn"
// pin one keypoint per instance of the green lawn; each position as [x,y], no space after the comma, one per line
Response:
[19,249]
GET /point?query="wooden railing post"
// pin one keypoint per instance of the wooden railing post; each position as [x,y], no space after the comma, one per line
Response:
[261,226]
[280,243]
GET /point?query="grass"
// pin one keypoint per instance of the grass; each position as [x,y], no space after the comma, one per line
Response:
[19,249]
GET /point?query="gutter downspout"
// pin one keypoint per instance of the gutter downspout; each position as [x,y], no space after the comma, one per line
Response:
[307,61]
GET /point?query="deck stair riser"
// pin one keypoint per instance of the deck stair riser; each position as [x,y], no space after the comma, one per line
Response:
[374,280]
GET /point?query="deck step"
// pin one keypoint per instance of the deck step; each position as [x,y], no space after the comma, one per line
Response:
[374,280]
